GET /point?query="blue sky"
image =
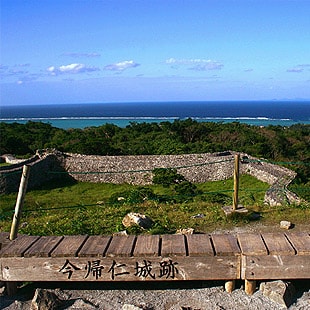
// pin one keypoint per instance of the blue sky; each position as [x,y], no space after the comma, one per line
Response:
[73,51]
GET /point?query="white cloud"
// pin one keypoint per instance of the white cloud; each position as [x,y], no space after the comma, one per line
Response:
[196,64]
[121,66]
[248,70]
[71,69]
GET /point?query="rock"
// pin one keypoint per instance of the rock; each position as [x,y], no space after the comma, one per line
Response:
[82,304]
[131,307]
[121,233]
[185,231]
[24,224]
[45,300]
[280,292]
[228,210]
[137,219]
[2,288]
[198,216]
[285,224]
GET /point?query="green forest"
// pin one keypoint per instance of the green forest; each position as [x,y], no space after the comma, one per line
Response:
[172,202]
[275,143]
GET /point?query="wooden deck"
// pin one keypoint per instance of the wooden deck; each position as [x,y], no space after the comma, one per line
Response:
[157,258]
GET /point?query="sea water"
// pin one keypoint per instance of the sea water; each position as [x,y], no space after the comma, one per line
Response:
[260,113]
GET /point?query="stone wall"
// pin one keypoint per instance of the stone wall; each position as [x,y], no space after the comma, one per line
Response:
[196,168]
[39,172]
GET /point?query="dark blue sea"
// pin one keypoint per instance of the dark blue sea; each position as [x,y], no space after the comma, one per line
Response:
[260,113]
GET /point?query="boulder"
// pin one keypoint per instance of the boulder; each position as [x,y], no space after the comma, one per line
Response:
[45,300]
[285,224]
[141,220]
[280,292]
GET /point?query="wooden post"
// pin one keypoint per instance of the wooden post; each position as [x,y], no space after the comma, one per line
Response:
[249,286]
[230,286]
[236,182]
[19,202]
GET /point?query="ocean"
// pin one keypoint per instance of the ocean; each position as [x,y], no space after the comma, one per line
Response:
[260,113]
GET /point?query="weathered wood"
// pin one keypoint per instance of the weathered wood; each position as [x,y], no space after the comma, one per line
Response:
[277,244]
[300,241]
[249,287]
[94,246]
[251,244]
[209,267]
[157,258]
[18,246]
[146,245]
[43,246]
[230,286]
[121,246]
[4,239]
[236,182]
[119,268]
[20,201]
[225,245]
[199,245]
[275,267]
[173,245]
[69,246]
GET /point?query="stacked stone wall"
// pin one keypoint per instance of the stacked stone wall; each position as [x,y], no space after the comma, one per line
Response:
[39,173]
[196,168]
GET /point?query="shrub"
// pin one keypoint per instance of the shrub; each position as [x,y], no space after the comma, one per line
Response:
[167,177]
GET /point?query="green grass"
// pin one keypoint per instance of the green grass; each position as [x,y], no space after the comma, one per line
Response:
[65,208]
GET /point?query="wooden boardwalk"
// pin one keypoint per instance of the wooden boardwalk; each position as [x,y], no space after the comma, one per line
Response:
[249,257]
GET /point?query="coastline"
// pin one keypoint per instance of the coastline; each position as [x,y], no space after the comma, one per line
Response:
[83,122]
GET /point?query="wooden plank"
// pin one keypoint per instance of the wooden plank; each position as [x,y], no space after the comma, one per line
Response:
[146,246]
[4,239]
[275,267]
[18,246]
[43,247]
[199,245]
[277,244]
[173,245]
[119,268]
[225,245]
[251,244]
[300,241]
[121,246]
[95,246]
[69,246]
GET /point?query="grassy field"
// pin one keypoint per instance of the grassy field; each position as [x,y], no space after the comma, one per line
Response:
[88,208]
